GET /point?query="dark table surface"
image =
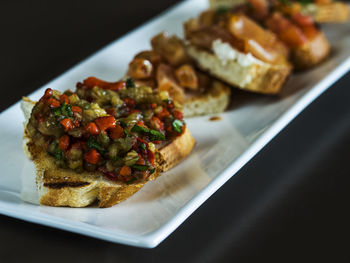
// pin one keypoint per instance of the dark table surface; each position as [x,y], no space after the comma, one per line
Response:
[288,204]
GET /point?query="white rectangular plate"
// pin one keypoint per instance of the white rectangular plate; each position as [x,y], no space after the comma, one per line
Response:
[223,147]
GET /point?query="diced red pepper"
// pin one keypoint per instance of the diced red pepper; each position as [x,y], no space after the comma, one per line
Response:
[76,109]
[115,86]
[53,103]
[164,113]
[92,156]
[125,171]
[92,128]
[116,133]
[129,102]
[63,142]
[48,94]
[64,99]
[67,124]
[178,115]
[106,122]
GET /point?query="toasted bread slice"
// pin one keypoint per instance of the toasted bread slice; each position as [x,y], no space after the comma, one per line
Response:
[239,69]
[336,12]
[64,187]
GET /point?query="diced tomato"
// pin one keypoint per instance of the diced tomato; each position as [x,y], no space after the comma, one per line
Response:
[106,122]
[129,102]
[164,113]
[125,171]
[67,124]
[76,109]
[48,94]
[53,103]
[178,115]
[115,86]
[157,123]
[302,20]
[92,156]
[153,105]
[92,128]
[63,142]
[64,99]
[116,133]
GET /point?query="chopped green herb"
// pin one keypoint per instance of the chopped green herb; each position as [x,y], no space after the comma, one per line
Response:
[56,111]
[177,126]
[130,83]
[305,2]
[67,110]
[138,128]
[58,154]
[131,180]
[142,146]
[152,171]
[140,167]
[156,135]
[126,132]
[92,144]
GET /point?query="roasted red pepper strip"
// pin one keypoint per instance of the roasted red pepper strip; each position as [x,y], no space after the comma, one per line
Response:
[91,82]
[76,109]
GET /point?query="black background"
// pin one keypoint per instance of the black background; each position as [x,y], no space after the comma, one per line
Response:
[288,204]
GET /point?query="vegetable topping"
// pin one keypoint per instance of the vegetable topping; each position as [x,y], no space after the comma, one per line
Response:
[110,128]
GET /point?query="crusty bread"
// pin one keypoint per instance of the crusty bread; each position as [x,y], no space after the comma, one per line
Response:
[64,187]
[252,75]
[311,53]
[336,12]
[213,100]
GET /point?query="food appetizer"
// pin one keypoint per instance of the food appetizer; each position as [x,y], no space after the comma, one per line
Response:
[168,67]
[103,142]
[321,11]
[237,50]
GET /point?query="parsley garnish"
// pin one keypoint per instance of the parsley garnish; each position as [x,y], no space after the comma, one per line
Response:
[142,146]
[92,144]
[138,128]
[156,135]
[58,154]
[177,126]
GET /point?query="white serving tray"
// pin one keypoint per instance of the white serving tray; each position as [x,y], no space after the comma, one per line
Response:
[223,147]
